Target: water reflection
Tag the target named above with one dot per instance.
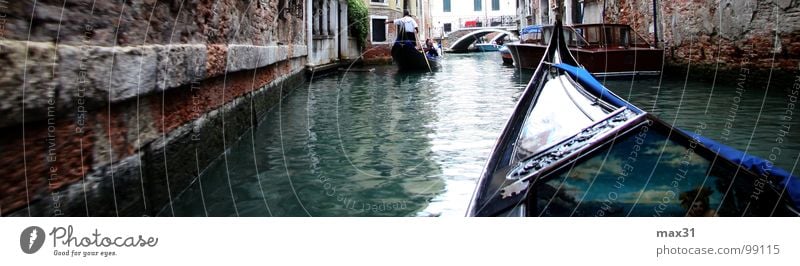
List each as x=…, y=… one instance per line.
x=748, y=119
x=376, y=143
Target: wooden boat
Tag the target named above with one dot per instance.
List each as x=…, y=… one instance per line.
x=487, y=47
x=505, y=54
x=574, y=148
x=408, y=58
x=603, y=49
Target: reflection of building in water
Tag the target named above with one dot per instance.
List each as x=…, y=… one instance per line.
x=386, y=146
x=294, y=164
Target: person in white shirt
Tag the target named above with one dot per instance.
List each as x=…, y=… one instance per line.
x=408, y=28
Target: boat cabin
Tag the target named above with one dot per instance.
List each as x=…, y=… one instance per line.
x=588, y=36
x=574, y=148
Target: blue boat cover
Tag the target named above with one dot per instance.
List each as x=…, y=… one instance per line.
x=530, y=29
x=755, y=164
x=592, y=85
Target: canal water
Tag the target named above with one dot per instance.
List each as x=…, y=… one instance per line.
x=383, y=143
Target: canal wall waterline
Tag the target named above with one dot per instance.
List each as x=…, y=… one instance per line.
x=111, y=108
x=140, y=152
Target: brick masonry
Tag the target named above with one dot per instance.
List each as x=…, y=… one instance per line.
x=721, y=36
x=381, y=53
x=114, y=115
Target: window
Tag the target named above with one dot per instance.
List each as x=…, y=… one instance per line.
x=478, y=4
x=379, y=2
x=544, y=7
x=378, y=29
x=623, y=37
x=495, y=5
x=592, y=35
x=446, y=5
x=448, y=27
x=609, y=36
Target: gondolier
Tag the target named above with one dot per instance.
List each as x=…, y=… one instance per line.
x=408, y=28
x=404, y=50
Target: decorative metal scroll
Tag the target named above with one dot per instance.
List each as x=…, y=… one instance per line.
x=527, y=169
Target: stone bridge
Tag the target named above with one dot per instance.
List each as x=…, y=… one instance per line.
x=461, y=39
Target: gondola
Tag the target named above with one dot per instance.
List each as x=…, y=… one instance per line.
x=573, y=148
x=408, y=58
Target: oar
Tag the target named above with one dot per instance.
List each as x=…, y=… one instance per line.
x=425, y=56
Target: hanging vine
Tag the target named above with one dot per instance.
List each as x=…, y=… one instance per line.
x=358, y=18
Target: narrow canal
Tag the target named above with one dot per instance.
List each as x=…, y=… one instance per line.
x=383, y=143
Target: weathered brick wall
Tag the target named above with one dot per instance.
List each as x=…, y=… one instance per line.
x=377, y=54
x=719, y=34
x=381, y=53
x=110, y=109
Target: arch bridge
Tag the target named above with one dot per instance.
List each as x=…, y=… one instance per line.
x=463, y=41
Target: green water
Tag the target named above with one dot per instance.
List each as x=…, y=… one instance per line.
x=384, y=143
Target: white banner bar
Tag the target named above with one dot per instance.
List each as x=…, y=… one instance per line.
x=398, y=241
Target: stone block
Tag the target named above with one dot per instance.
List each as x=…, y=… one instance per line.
x=179, y=65
x=243, y=57
x=299, y=50
x=123, y=72
x=77, y=91
x=27, y=83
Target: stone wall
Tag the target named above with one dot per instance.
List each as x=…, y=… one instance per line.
x=725, y=35
x=112, y=109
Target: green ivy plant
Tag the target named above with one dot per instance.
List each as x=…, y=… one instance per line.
x=358, y=18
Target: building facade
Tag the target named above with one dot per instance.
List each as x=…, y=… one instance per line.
x=329, y=41
x=718, y=38
x=541, y=12
x=525, y=13
x=450, y=15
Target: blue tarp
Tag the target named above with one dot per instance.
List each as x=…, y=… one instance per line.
x=592, y=85
x=755, y=164
x=530, y=29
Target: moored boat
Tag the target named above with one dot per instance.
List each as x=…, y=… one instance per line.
x=573, y=148
x=487, y=47
x=505, y=54
x=603, y=49
x=408, y=58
